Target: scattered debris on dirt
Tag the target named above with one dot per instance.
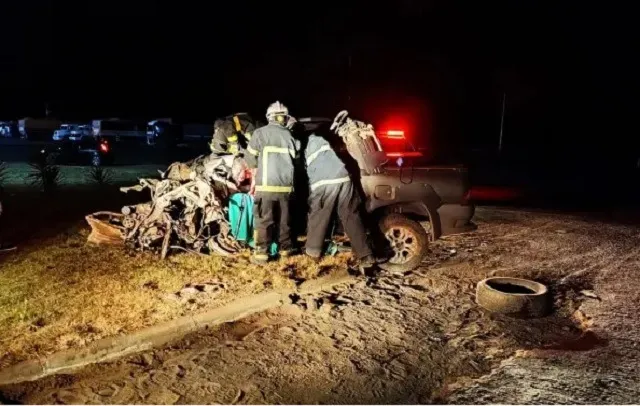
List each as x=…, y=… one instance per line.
x=186, y=211
x=413, y=338
x=192, y=292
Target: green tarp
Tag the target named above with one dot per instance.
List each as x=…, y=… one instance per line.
x=241, y=220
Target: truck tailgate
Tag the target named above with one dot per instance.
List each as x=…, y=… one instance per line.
x=451, y=183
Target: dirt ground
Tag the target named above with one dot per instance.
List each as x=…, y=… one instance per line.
x=414, y=338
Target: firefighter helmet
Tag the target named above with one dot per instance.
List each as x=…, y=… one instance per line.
x=277, y=109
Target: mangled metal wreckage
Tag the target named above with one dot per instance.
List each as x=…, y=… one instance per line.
x=186, y=210
x=188, y=203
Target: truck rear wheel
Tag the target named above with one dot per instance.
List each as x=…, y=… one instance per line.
x=408, y=241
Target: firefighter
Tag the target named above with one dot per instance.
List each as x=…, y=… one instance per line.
x=271, y=153
x=332, y=192
x=232, y=134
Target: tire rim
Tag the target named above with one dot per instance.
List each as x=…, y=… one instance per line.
x=404, y=244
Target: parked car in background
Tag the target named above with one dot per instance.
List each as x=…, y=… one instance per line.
x=72, y=132
x=9, y=129
x=80, y=131
x=62, y=133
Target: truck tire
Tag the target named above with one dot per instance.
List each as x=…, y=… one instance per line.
x=409, y=242
x=513, y=296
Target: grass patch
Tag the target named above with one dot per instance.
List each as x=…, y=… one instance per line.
x=65, y=293
x=44, y=176
x=99, y=176
x=3, y=174
x=57, y=291
x=16, y=175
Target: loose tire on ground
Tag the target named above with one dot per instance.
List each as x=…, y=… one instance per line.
x=408, y=239
x=513, y=297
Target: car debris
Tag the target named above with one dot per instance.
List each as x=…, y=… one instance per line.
x=186, y=212
x=361, y=142
x=590, y=294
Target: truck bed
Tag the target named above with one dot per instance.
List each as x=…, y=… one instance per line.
x=450, y=182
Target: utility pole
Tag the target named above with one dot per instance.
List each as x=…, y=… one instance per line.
x=349, y=79
x=504, y=100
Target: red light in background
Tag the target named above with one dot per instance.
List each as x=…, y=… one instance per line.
x=395, y=126
x=390, y=110
x=490, y=193
x=394, y=134
x=406, y=154
x=104, y=147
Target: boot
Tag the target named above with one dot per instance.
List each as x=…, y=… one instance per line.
x=286, y=253
x=368, y=261
x=259, y=258
x=367, y=265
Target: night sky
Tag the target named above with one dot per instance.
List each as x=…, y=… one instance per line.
x=569, y=69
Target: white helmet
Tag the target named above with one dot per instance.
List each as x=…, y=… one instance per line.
x=276, y=109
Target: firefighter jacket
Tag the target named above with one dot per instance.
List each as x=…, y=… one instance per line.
x=324, y=167
x=232, y=134
x=273, y=151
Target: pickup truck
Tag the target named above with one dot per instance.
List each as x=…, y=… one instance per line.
x=412, y=204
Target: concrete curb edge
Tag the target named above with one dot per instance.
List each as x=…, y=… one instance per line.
x=111, y=348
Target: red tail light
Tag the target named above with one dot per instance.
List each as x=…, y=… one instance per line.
x=406, y=154
x=104, y=147
x=394, y=134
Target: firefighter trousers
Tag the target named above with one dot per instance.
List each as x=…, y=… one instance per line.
x=324, y=203
x=272, y=222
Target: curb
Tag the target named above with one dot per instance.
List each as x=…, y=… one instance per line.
x=111, y=348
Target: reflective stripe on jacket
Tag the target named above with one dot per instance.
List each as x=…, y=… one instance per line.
x=234, y=136
x=324, y=167
x=272, y=150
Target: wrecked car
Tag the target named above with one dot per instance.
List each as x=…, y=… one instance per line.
x=186, y=210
